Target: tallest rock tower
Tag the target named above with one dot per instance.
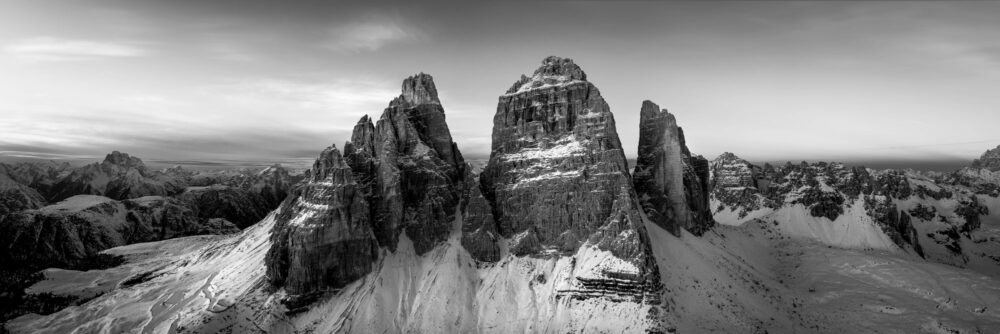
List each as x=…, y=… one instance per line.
x=557, y=166
x=558, y=184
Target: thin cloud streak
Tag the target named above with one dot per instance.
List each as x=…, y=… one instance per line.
x=370, y=34
x=47, y=48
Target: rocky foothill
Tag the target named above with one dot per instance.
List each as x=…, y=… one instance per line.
x=57, y=215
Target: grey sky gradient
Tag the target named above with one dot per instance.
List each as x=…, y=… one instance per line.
x=188, y=80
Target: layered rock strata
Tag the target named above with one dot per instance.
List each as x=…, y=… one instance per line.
x=558, y=183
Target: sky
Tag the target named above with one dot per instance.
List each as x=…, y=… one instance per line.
x=882, y=82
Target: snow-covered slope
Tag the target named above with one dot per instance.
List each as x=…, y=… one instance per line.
x=748, y=278
x=213, y=284
x=949, y=218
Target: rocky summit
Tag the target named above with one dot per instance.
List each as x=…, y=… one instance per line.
x=119, y=176
x=322, y=238
x=672, y=184
x=410, y=170
x=557, y=179
x=403, y=175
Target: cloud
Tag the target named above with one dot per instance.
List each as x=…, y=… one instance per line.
x=370, y=34
x=336, y=94
x=58, y=49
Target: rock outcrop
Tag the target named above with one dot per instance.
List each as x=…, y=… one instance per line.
x=734, y=183
x=119, y=176
x=67, y=232
x=322, y=238
x=409, y=168
x=558, y=183
x=672, y=185
x=989, y=160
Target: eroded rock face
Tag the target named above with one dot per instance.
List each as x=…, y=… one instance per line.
x=409, y=168
x=479, y=230
x=672, y=185
x=734, y=183
x=323, y=237
x=401, y=175
x=895, y=223
x=989, y=160
x=556, y=163
x=67, y=232
x=557, y=179
x=826, y=190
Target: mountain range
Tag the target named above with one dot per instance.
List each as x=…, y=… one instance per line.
x=395, y=232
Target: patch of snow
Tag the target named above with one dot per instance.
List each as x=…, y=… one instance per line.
x=77, y=203
x=546, y=176
x=565, y=148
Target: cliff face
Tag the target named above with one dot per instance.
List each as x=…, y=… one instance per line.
x=479, y=230
x=558, y=184
x=401, y=175
x=557, y=164
x=409, y=168
x=322, y=238
x=673, y=185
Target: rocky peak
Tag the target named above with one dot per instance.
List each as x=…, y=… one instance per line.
x=418, y=89
x=727, y=156
x=322, y=238
x=673, y=184
x=408, y=167
x=651, y=110
x=124, y=160
x=401, y=175
x=557, y=180
x=554, y=71
x=989, y=160
x=330, y=166
x=362, y=139
x=729, y=170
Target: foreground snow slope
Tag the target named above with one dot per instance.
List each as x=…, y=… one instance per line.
x=750, y=278
x=207, y=285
